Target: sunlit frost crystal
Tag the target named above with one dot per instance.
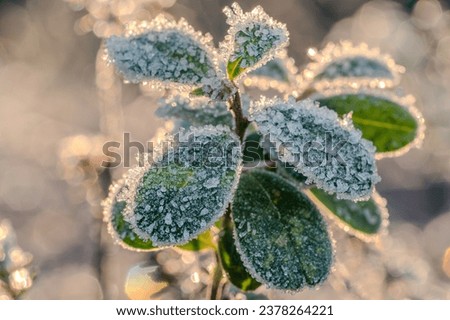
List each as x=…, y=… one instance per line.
x=328, y=151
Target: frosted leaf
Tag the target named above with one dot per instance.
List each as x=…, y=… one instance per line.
x=231, y=261
x=344, y=62
x=198, y=171
x=253, y=152
x=278, y=74
x=164, y=52
x=121, y=230
x=367, y=220
x=253, y=39
x=329, y=152
x=390, y=121
x=282, y=238
x=195, y=111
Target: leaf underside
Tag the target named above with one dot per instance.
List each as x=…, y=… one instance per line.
x=388, y=125
x=282, y=238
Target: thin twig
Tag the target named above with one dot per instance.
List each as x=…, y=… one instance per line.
x=240, y=120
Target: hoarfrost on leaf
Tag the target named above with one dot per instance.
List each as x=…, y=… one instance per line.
x=195, y=111
x=344, y=62
x=189, y=185
x=164, y=52
x=328, y=151
x=281, y=237
x=253, y=39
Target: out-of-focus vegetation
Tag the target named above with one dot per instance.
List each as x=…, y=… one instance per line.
x=49, y=91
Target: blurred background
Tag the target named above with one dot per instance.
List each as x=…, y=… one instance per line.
x=58, y=103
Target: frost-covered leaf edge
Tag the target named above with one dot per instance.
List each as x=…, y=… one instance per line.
x=108, y=205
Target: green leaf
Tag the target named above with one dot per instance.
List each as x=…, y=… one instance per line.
x=281, y=236
x=364, y=217
x=196, y=111
x=234, y=69
x=253, y=39
x=388, y=125
x=232, y=263
x=253, y=152
x=188, y=187
x=203, y=241
x=164, y=52
x=328, y=151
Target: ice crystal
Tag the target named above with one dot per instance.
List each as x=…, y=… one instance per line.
x=282, y=238
x=344, y=62
x=195, y=111
x=279, y=74
x=253, y=39
x=165, y=52
x=188, y=186
x=326, y=150
x=391, y=121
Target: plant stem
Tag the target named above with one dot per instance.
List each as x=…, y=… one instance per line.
x=241, y=121
x=241, y=124
x=215, y=293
